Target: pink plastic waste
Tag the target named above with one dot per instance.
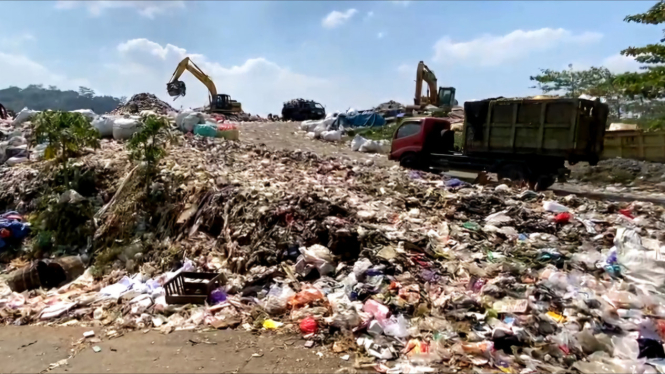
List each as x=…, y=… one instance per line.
x=377, y=310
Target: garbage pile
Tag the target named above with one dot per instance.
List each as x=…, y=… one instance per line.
x=141, y=102
x=619, y=170
x=410, y=272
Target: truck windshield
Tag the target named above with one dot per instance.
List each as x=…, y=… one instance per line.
x=408, y=129
x=318, y=106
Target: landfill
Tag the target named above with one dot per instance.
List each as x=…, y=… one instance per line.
x=405, y=270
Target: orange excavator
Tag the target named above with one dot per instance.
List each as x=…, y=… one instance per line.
x=443, y=97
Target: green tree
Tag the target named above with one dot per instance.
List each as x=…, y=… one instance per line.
x=86, y=92
x=569, y=82
x=148, y=144
x=66, y=134
x=650, y=83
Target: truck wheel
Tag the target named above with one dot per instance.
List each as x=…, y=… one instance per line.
x=544, y=182
x=410, y=161
x=514, y=172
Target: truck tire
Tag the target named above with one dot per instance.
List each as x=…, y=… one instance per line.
x=410, y=161
x=514, y=172
x=544, y=182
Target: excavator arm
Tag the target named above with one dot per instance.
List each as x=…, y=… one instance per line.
x=177, y=88
x=423, y=73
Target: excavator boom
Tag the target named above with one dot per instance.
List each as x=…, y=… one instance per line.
x=423, y=73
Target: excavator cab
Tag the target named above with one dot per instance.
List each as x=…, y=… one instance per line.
x=221, y=102
x=447, y=97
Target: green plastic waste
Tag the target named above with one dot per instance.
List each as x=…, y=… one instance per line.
x=207, y=130
x=471, y=226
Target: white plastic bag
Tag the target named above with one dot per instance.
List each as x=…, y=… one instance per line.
x=23, y=116
x=639, y=265
x=332, y=136
x=277, y=300
x=357, y=142
x=397, y=327
x=553, y=206
x=87, y=113
x=351, y=112
x=124, y=128
x=180, y=116
x=308, y=125
x=319, y=129
x=191, y=120
x=104, y=124
x=16, y=160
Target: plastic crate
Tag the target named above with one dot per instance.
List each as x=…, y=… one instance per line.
x=184, y=289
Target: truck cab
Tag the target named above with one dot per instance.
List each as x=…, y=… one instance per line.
x=417, y=138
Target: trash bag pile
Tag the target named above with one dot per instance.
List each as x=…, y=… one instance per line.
x=406, y=270
x=141, y=102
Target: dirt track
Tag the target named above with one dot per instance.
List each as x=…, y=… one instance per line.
x=31, y=349
x=281, y=135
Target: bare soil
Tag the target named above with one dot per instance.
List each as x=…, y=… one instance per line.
x=282, y=135
x=31, y=349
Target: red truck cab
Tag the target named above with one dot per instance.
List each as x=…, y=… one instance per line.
x=417, y=138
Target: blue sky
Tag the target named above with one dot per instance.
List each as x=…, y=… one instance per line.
x=342, y=54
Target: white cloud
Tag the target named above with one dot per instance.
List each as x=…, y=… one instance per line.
x=489, y=50
x=401, y=2
x=621, y=64
x=369, y=15
x=21, y=71
x=380, y=35
x=259, y=84
x=337, y=18
x=15, y=41
x=406, y=68
x=148, y=9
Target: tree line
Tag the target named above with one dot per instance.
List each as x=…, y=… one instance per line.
x=38, y=97
x=633, y=97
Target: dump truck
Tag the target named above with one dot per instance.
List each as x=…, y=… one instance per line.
x=526, y=140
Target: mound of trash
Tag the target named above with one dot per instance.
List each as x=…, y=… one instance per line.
x=141, y=102
x=619, y=170
x=409, y=271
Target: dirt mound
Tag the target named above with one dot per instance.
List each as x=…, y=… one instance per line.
x=143, y=101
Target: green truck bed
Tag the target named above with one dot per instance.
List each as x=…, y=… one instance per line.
x=563, y=128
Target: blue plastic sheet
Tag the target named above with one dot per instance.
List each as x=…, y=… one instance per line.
x=367, y=119
x=13, y=222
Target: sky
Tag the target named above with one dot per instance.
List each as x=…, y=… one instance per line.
x=341, y=54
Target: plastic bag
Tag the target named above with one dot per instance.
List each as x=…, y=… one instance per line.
x=307, y=295
x=397, y=327
x=562, y=218
x=308, y=125
x=553, y=206
x=87, y=113
x=125, y=128
x=104, y=124
x=308, y=326
x=638, y=264
x=207, y=130
x=377, y=310
x=332, y=136
x=625, y=347
x=23, y=116
x=319, y=129
x=277, y=300
x=319, y=256
x=498, y=218
x=357, y=142
x=190, y=121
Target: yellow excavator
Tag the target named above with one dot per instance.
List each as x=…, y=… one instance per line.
x=219, y=103
x=444, y=97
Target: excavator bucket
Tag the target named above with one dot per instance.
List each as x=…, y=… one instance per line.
x=176, y=88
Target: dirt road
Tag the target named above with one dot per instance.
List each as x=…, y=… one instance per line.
x=31, y=349
x=282, y=135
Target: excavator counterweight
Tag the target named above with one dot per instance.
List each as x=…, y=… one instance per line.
x=219, y=103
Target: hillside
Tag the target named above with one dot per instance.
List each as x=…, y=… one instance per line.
x=39, y=98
